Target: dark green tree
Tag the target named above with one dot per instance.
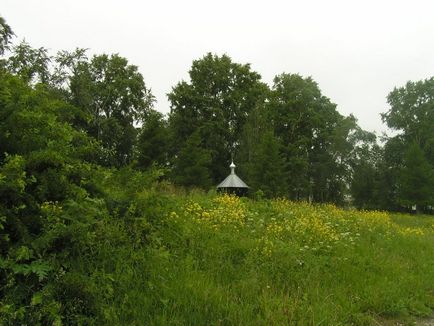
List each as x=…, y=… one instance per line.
x=389, y=168
x=152, y=142
x=315, y=139
x=260, y=158
x=53, y=209
x=416, y=179
x=268, y=169
x=216, y=103
x=411, y=114
x=192, y=165
x=365, y=165
x=114, y=96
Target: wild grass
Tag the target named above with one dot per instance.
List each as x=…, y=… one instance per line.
x=221, y=260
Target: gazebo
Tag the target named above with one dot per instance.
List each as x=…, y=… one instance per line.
x=233, y=184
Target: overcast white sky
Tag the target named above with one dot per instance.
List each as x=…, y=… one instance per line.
x=356, y=51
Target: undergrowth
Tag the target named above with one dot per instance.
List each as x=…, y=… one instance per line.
x=131, y=251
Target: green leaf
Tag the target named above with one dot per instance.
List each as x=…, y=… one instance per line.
x=41, y=269
x=2, y=221
x=36, y=299
x=23, y=253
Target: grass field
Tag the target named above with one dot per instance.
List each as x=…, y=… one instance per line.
x=221, y=260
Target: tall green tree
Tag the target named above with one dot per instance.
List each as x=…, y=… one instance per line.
x=365, y=181
x=411, y=114
x=40, y=151
x=215, y=102
x=315, y=139
x=108, y=96
x=268, y=169
x=416, y=179
x=114, y=95
x=261, y=163
x=152, y=142
x=192, y=165
x=389, y=169
x=47, y=213
x=31, y=64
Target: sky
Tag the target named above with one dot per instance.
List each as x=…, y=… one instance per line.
x=357, y=51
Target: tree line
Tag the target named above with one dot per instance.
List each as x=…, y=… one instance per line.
x=288, y=139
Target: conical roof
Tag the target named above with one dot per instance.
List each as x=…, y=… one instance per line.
x=232, y=180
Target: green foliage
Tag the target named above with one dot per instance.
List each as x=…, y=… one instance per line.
x=260, y=155
x=411, y=110
x=114, y=96
x=315, y=138
x=192, y=166
x=389, y=170
x=215, y=103
x=214, y=259
x=416, y=178
x=152, y=142
x=412, y=114
x=49, y=213
x=265, y=166
x=13, y=176
x=32, y=65
x=366, y=162
x=6, y=34
x=363, y=186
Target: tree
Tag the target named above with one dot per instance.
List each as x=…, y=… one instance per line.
x=152, y=141
x=411, y=113
x=389, y=168
x=43, y=154
x=47, y=216
x=215, y=103
x=416, y=179
x=114, y=95
x=260, y=158
x=268, y=169
x=315, y=138
x=192, y=165
x=108, y=96
x=365, y=180
x=32, y=65
x=6, y=34
x=411, y=107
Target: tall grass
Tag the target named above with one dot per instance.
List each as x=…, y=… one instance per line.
x=213, y=260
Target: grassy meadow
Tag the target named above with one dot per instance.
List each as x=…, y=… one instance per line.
x=220, y=260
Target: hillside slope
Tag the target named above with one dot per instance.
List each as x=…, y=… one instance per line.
x=231, y=261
